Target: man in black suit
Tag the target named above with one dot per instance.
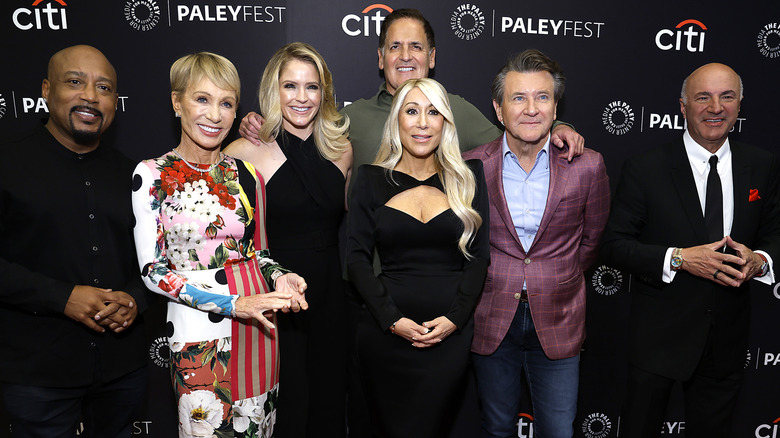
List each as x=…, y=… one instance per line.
x=70, y=291
x=690, y=306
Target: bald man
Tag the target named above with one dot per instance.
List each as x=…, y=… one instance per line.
x=70, y=292
x=694, y=221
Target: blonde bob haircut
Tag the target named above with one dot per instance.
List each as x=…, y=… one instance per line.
x=330, y=127
x=456, y=177
x=190, y=69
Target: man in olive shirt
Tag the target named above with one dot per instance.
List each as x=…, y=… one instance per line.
x=407, y=50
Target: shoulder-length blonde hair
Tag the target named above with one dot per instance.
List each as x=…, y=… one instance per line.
x=456, y=177
x=330, y=127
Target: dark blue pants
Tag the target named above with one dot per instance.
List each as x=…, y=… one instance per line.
x=106, y=408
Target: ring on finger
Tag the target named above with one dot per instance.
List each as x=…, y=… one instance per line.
x=715, y=275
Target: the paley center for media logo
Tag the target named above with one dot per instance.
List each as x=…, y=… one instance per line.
x=467, y=21
x=142, y=15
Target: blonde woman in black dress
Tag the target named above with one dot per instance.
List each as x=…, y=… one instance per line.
x=425, y=211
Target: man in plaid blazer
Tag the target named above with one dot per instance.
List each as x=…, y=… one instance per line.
x=547, y=217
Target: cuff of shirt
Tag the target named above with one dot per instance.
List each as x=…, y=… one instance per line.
x=769, y=278
x=668, y=275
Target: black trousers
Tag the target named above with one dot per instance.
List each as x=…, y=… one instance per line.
x=107, y=409
x=709, y=400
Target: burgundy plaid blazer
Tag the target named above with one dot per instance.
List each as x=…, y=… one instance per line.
x=566, y=244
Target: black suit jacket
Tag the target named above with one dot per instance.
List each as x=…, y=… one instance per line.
x=656, y=206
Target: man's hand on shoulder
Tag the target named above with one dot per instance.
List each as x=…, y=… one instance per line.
x=250, y=127
x=96, y=308
x=565, y=135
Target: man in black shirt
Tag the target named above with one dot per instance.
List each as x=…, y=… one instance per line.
x=70, y=290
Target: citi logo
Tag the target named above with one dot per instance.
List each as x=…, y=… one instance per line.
x=687, y=35
x=525, y=426
x=768, y=430
x=370, y=23
x=48, y=17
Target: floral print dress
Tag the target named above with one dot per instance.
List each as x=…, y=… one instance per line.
x=189, y=224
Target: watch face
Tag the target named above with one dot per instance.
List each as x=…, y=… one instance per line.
x=676, y=262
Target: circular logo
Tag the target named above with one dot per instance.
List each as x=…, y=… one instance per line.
x=606, y=280
x=596, y=425
x=618, y=117
x=768, y=40
x=2, y=106
x=467, y=22
x=160, y=352
x=776, y=291
x=142, y=15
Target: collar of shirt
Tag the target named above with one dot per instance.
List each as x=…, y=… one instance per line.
x=542, y=157
x=700, y=157
x=383, y=97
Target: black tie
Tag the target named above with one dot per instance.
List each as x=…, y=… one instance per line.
x=713, y=207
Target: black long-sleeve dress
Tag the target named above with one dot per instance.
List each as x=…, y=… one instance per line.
x=413, y=392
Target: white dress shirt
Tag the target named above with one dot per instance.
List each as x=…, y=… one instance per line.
x=699, y=160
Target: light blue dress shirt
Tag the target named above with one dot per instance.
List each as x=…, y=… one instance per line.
x=526, y=192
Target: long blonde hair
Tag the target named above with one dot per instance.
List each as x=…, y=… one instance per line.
x=456, y=177
x=330, y=127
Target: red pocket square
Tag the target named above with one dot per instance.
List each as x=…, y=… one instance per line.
x=753, y=195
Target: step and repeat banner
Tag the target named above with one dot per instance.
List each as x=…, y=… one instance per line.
x=624, y=62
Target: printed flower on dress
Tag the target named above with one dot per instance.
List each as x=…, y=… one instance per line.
x=183, y=242
x=171, y=283
x=199, y=414
x=201, y=196
x=255, y=417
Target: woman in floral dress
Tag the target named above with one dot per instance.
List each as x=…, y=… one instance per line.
x=201, y=241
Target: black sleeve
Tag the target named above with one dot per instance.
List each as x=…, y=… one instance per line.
x=360, y=248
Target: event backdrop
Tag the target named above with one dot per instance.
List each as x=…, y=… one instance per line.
x=624, y=62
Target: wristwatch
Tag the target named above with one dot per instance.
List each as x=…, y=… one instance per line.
x=764, y=266
x=677, y=259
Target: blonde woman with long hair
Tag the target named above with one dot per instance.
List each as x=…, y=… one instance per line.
x=425, y=211
x=306, y=160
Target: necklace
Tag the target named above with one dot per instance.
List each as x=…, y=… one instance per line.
x=201, y=170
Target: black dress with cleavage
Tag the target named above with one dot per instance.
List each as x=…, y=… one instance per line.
x=304, y=208
x=413, y=392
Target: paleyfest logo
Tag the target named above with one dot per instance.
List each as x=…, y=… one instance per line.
x=189, y=12
x=618, y=117
x=369, y=23
x=467, y=22
x=142, y=15
x=768, y=40
x=2, y=106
